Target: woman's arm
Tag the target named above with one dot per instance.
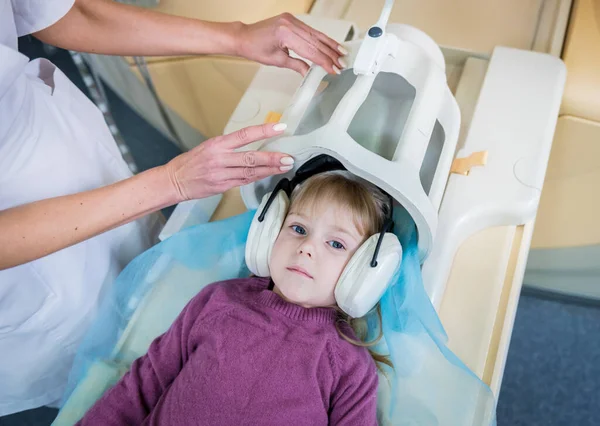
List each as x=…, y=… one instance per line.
x=33, y=230
x=112, y=28
x=108, y=27
x=37, y=229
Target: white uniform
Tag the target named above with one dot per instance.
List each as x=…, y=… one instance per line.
x=53, y=141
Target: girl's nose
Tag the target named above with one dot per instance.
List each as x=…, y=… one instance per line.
x=306, y=249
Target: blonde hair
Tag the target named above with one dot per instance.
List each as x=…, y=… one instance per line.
x=368, y=205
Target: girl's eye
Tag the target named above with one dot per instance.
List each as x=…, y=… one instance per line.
x=336, y=245
x=298, y=229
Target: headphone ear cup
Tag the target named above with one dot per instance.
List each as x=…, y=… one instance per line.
x=262, y=235
x=361, y=285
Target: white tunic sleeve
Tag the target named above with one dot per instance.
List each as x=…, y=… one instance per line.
x=35, y=15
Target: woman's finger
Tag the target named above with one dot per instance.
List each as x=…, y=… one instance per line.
x=239, y=176
x=331, y=43
x=254, y=159
x=294, y=64
x=250, y=134
x=319, y=41
x=260, y=173
x=305, y=49
x=323, y=48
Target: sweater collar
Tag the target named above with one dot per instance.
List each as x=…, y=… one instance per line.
x=291, y=310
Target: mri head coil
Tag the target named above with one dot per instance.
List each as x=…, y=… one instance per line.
x=395, y=126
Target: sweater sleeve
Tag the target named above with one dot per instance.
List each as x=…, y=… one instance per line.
x=132, y=399
x=354, y=399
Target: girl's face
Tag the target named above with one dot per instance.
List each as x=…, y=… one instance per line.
x=310, y=253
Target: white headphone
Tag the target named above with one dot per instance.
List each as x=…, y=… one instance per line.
x=368, y=273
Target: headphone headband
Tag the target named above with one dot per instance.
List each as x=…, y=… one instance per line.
x=388, y=225
x=320, y=164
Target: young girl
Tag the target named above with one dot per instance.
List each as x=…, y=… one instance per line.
x=262, y=351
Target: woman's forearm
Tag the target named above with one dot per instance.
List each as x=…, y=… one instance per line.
x=34, y=230
x=108, y=27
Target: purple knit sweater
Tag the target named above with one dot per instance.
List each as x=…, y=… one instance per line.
x=239, y=354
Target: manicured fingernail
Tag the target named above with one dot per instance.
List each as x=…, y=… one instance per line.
x=342, y=50
x=280, y=127
x=286, y=168
x=342, y=63
x=287, y=161
x=336, y=70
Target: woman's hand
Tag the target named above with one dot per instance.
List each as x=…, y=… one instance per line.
x=270, y=41
x=213, y=167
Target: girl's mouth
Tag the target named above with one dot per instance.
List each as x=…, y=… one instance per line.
x=300, y=271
